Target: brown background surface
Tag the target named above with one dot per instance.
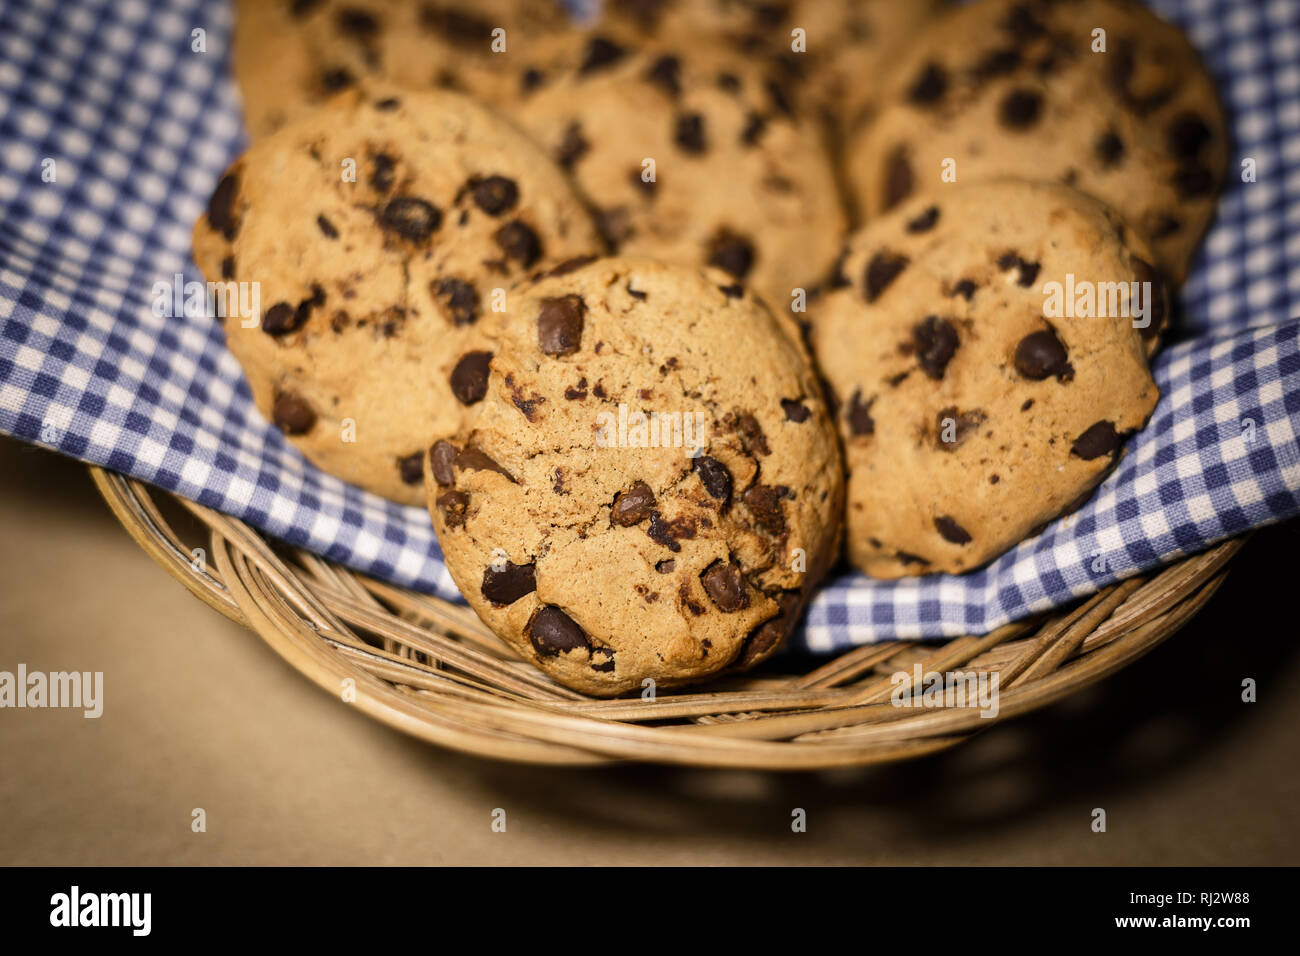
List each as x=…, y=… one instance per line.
x=200, y=713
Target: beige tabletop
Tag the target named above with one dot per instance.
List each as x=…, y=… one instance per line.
x=199, y=713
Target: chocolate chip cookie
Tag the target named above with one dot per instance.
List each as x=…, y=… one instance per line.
x=651, y=483
x=691, y=154
x=292, y=55
x=1024, y=89
x=378, y=231
x=986, y=348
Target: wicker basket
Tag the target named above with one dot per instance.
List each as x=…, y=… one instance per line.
x=430, y=668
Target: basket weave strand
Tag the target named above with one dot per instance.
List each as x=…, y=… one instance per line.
x=431, y=669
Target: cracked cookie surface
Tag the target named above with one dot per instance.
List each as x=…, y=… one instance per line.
x=571, y=510
x=380, y=230
x=973, y=408
x=693, y=154
x=1022, y=89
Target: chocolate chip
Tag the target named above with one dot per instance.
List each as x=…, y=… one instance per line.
x=411, y=468
x=899, y=179
x=221, y=207
x=388, y=104
x=688, y=133
x=443, y=456
x=281, y=319
x=883, y=269
x=1120, y=66
x=495, y=195
x=936, y=341
x=459, y=298
x=632, y=506
x=519, y=242
x=715, y=477
x=614, y=226
x=666, y=532
x=636, y=293
x=666, y=566
x=732, y=291
x=733, y=254
x=795, y=410
x=729, y=82
x=1028, y=271
x=359, y=23
x=469, y=379
x=455, y=24
x=327, y=228
x=765, y=638
x=410, y=218
x=951, y=530
x=1145, y=272
x=1020, y=109
x=605, y=666
x=1193, y=181
x=996, y=63
x=506, y=585
x=1188, y=133
x=292, y=414
x=924, y=222
x=960, y=425
x=553, y=632
x=780, y=98
x=474, y=459
x=1109, y=148
x=453, y=505
x=228, y=267
x=1100, y=439
x=559, y=325
x=764, y=502
x=666, y=72
x=754, y=127
x=859, y=415
x=1021, y=23
x=965, y=288
x=1041, y=354
x=929, y=86
x=336, y=78
x=750, y=431
x=531, y=79
x=573, y=147
x=384, y=173
x=724, y=586
x=601, y=52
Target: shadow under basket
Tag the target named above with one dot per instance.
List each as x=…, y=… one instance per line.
x=430, y=668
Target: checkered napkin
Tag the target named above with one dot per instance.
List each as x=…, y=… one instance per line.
x=114, y=128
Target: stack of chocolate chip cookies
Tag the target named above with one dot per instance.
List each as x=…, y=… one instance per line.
x=589, y=291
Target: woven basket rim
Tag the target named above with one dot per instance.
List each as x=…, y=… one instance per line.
x=429, y=668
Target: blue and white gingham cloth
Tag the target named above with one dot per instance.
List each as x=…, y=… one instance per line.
x=136, y=127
